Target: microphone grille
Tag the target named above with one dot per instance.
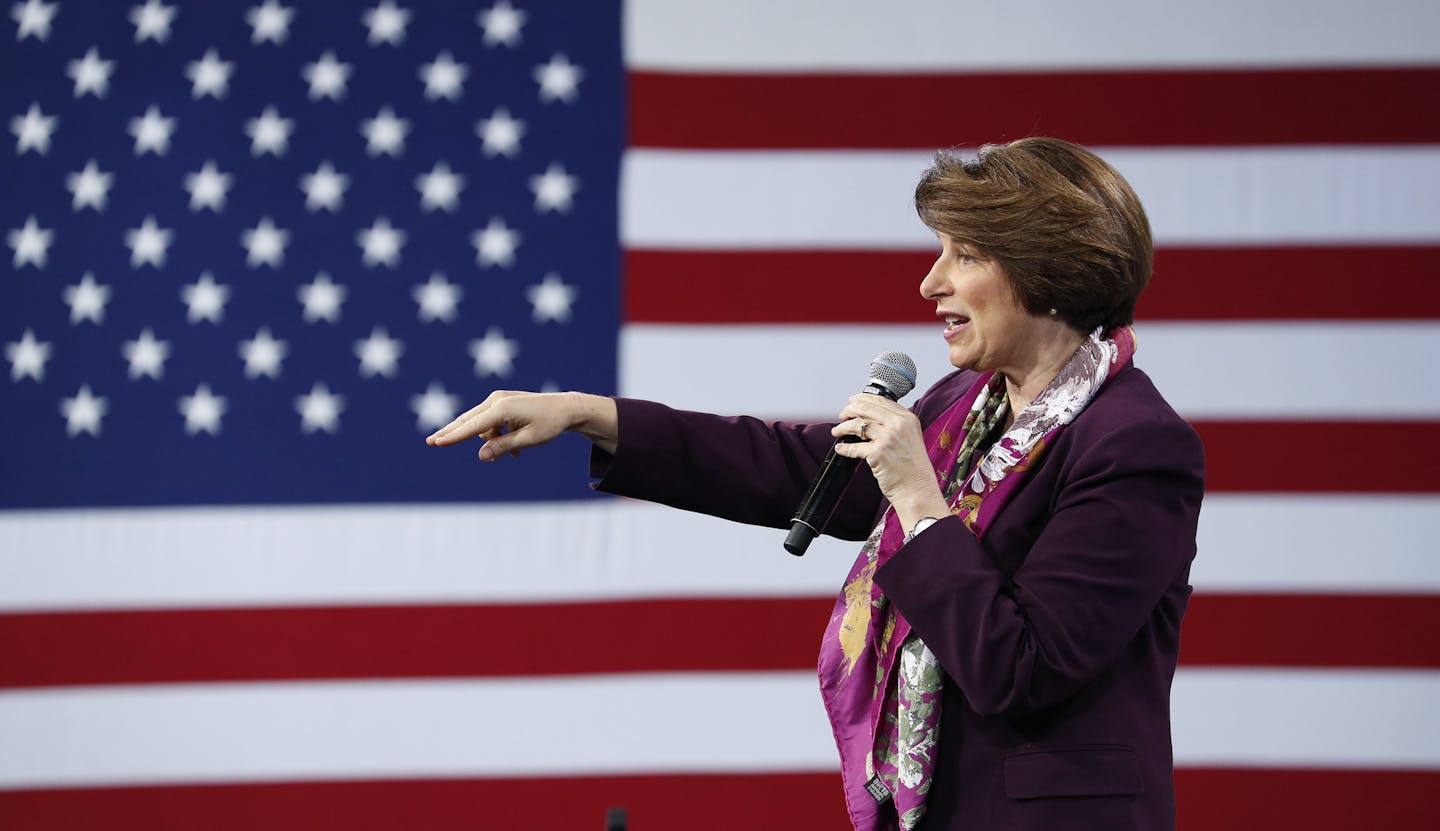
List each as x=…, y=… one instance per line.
x=894, y=371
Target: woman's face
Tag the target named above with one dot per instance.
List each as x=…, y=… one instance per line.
x=985, y=325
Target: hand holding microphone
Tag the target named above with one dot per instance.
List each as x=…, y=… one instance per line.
x=892, y=375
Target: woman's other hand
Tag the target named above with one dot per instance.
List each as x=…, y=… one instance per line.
x=892, y=443
x=511, y=421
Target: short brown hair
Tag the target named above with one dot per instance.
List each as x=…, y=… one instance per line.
x=1067, y=229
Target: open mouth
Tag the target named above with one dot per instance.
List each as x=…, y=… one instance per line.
x=953, y=324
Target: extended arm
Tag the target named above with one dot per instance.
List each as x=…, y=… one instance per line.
x=739, y=468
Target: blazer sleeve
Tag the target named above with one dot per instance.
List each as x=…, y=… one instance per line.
x=738, y=468
x=1122, y=528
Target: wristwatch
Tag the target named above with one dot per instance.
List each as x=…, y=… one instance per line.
x=920, y=525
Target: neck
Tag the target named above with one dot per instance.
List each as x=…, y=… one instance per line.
x=1048, y=357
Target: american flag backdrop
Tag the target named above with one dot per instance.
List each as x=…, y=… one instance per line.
x=254, y=251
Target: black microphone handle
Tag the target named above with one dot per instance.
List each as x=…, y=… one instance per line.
x=819, y=504
x=830, y=483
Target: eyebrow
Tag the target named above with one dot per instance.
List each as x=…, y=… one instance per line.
x=968, y=248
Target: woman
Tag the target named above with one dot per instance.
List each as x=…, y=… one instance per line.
x=1001, y=653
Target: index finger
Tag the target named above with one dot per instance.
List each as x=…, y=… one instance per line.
x=479, y=420
x=865, y=404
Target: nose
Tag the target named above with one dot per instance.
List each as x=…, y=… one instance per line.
x=933, y=286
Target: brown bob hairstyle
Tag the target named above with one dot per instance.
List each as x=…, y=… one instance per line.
x=1068, y=230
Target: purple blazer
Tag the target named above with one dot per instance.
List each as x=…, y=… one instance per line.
x=1058, y=632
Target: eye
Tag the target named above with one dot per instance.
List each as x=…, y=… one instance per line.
x=961, y=253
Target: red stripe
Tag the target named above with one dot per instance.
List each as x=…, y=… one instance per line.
x=1294, y=284
x=714, y=802
x=1326, y=106
x=1298, y=630
x=61, y=649
x=1208, y=798
x=408, y=641
x=1315, y=800
x=1189, y=284
x=1301, y=456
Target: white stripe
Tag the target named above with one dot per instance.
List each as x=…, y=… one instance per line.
x=1306, y=718
x=1309, y=543
x=848, y=200
x=1213, y=370
x=778, y=35
x=226, y=557
x=495, y=727
x=235, y=557
x=626, y=724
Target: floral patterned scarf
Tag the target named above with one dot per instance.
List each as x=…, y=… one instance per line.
x=886, y=723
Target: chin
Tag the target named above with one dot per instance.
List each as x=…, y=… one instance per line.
x=963, y=360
